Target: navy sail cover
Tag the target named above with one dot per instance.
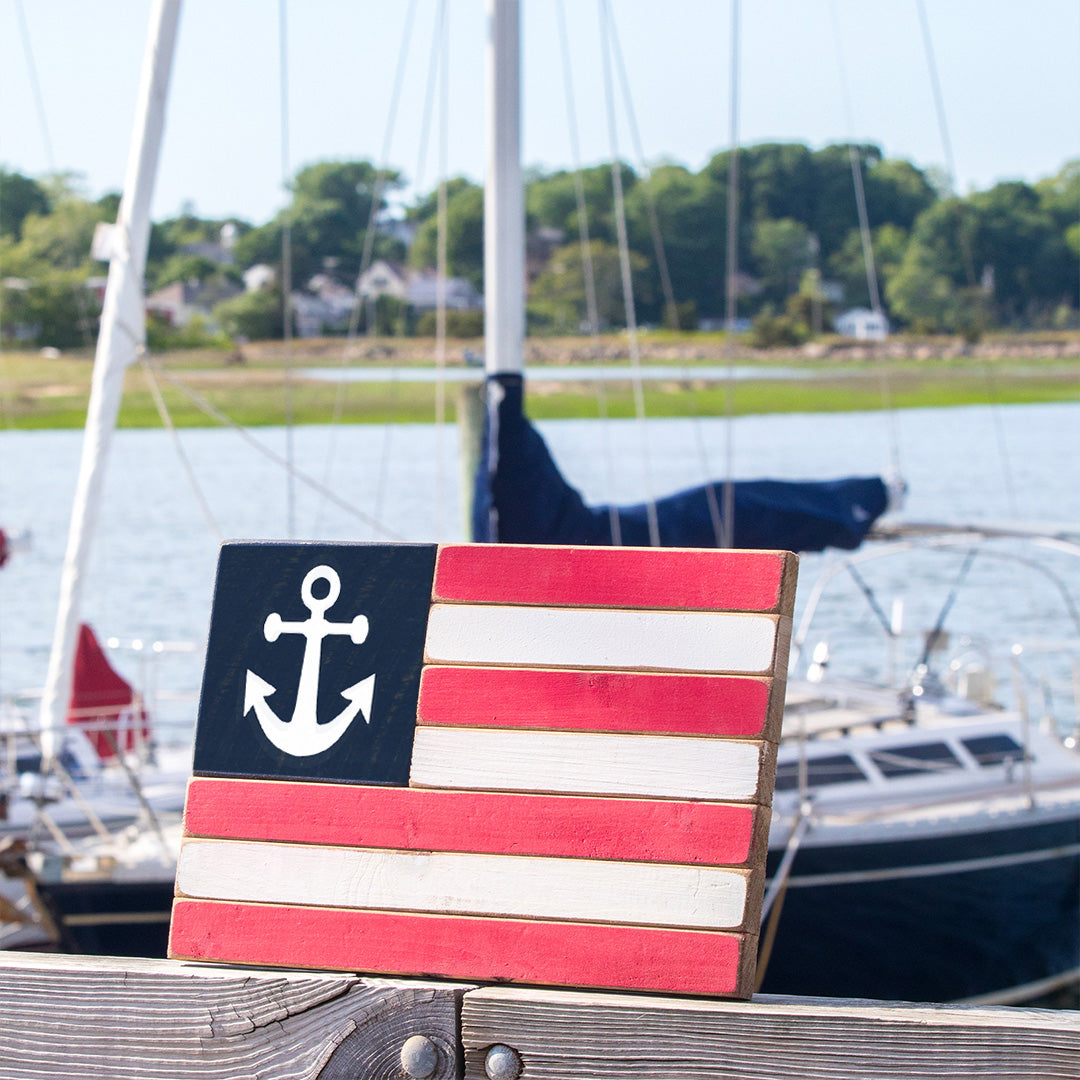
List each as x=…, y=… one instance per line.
x=521, y=498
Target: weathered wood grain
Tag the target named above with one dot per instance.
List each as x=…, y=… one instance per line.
x=740, y=707
x=112, y=1019
x=98, y=1018
x=603, y=577
x=599, y=956
x=414, y=819
x=527, y=887
x=601, y=638
x=563, y=1035
x=653, y=766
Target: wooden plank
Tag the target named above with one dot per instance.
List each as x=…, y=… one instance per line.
x=124, y=1019
x=653, y=766
x=100, y=1018
x=616, y=577
x=561, y=1035
x=493, y=950
x=559, y=700
x=643, y=830
x=515, y=886
x=596, y=638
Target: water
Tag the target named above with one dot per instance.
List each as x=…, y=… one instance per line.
x=152, y=571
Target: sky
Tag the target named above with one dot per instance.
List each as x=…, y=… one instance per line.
x=812, y=71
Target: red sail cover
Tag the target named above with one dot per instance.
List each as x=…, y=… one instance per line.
x=103, y=702
x=559, y=773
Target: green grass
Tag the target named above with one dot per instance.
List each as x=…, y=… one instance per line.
x=37, y=393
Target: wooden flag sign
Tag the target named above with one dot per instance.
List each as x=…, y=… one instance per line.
x=541, y=765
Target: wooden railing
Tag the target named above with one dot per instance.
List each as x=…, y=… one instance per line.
x=96, y=1018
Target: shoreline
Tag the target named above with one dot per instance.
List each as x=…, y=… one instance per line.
x=261, y=383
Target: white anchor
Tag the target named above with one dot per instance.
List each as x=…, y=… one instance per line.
x=303, y=735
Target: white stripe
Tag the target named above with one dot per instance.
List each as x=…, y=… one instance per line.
x=662, y=766
x=588, y=638
x=499, y=885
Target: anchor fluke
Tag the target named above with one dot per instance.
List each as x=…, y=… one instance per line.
x=256, y=690
x=304, y=736
x=359, y=696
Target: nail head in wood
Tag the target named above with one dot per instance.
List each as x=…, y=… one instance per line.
x=502, y=1063
x=419, y=1057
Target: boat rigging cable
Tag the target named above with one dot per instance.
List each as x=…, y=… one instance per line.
x=185, y=462
x=35, y=86
x=965, y=246
x=646, y=177
x=866, y=239
x=441, y=274
x=588, y=270
x=668, y=291
x=624, y=266
x=591, y=311
x=79, y=293
x=349, y=352
x=272, y=455
x=731, y=299
x=939, y=625
x=286, y=265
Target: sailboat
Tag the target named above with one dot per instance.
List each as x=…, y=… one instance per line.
x=97, y=852
x=925, y=841
x=889, y=801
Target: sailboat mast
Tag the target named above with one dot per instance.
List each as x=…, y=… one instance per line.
x=504, y=200
x=121, y=336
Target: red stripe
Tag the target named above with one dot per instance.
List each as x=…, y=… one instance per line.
x=595, y=701
x=488, y=823
x=455, y=947
x=611, y=577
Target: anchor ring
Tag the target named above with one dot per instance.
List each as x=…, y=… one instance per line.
x=311, y=601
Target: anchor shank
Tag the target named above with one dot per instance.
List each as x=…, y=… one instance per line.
x=307, y=691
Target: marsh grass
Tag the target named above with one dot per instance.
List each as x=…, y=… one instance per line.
x=39, y=393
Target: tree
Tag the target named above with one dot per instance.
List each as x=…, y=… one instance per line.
x=551, y=201
x=557, y=296
x=691, y=213
x=256, y=316
x=920, y=294
x=1019, y=253
x=19, y=198
x=782, y=252
x=327, y=219
x=464, y=236
x=848, y=265
x=51, y=262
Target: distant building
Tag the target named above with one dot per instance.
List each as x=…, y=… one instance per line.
x=862, y=324
x=325, y=307
x=383, y=278
x=178, y=303
x=257, y=277
x=417, y=288
x=422, y=292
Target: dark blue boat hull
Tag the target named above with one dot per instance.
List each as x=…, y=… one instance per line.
x=935, y=936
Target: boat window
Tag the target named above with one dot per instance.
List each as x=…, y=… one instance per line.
x=30, y=762
x=834, y=769
x=917, y=758
x=994, y=749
